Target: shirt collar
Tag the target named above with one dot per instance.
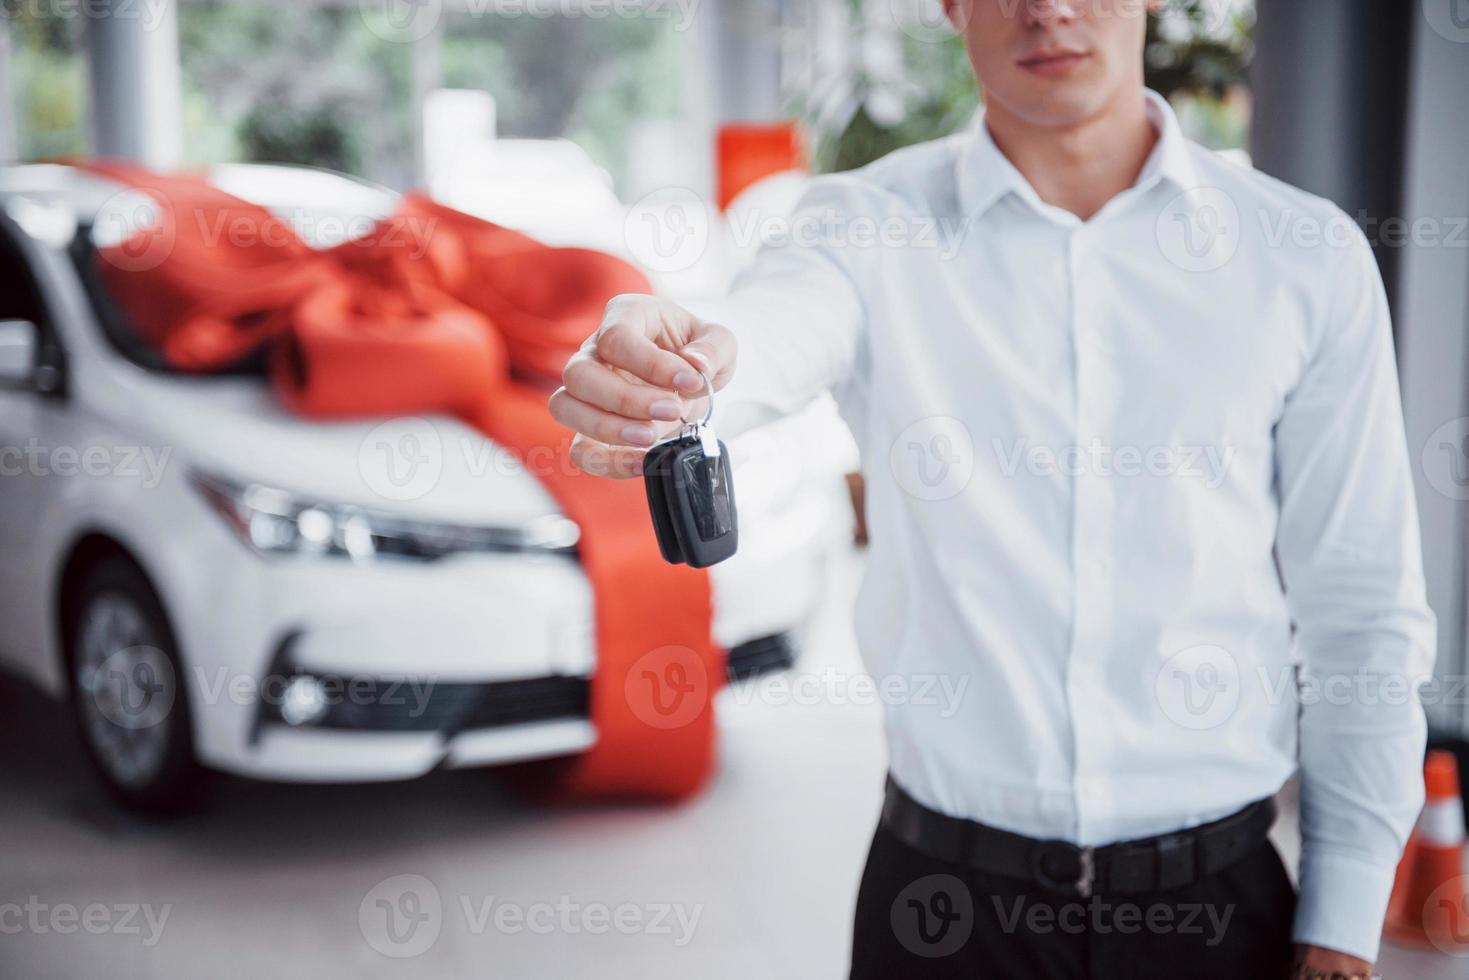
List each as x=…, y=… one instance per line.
x=985, y=175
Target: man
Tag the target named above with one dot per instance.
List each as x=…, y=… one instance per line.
x=1136, y=468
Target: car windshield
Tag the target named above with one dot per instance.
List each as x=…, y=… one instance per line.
x=78, y=213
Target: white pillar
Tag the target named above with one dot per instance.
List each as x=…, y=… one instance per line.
x=732, y=64
x=426, y=75
x=8, y=146
x=133, y=70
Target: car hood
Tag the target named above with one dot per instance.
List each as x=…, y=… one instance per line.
x=431, y=467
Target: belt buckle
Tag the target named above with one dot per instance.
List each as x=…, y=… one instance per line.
x=1061, y=879
x=1088, y=879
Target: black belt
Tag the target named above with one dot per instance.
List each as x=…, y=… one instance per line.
x=1151, y=864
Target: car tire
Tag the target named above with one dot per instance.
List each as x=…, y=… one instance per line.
x=128, y=695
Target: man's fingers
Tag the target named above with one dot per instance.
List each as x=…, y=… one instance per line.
x=589, y=380
x=626, y=346
x=714, y=351
x=603, y=426
x=600, y=459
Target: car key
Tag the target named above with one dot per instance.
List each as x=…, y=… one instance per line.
x=691, y=494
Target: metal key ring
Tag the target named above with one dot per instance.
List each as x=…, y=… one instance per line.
x=709, y=392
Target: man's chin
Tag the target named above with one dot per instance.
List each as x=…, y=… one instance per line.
x=1057, y=105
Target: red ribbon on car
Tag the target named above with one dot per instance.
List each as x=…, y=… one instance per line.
x=434, y=311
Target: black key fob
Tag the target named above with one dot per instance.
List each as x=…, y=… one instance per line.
x=690, y=488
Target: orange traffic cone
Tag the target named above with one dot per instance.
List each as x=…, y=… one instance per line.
x=1429, y=905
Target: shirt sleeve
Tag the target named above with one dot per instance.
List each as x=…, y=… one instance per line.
x=1349, y=553
x=796, y=312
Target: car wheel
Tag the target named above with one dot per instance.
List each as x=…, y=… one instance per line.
x=128, y=696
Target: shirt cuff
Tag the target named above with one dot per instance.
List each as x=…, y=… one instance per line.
x=1343, y=903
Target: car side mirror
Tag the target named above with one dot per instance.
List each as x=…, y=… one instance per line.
x=27, y=362
x=20, y=343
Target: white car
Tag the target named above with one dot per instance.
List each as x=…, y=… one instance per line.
x=217, y=584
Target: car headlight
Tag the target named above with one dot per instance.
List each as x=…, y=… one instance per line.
x=275, y=522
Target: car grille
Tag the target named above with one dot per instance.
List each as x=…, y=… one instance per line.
x=393, y=706
x=383, y=705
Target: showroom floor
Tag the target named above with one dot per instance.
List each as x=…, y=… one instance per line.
x=753, y=880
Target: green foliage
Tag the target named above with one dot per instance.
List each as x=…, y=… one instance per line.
x=313, y=137
x=50, y=83
x=590, y=80
x=1190, y=58
x=294, y=84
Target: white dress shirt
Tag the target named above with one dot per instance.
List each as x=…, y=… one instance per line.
x=1138, y=484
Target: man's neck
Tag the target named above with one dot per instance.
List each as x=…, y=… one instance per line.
x=1079, y=168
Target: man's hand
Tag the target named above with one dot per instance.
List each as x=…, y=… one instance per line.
x=1329, y=963
x=634, y=380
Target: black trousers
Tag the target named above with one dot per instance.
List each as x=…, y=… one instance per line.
x=919, y=917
